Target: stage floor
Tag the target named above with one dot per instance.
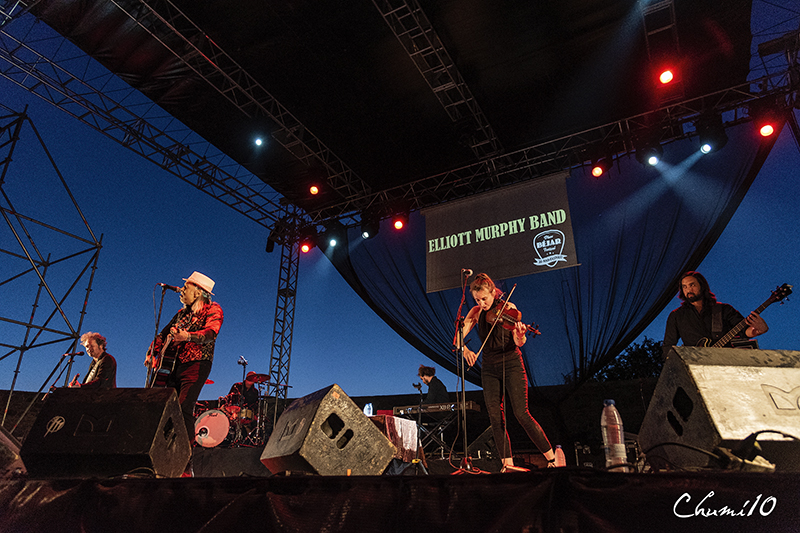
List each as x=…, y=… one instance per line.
x=558, y=500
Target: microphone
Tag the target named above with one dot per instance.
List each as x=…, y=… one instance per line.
x=170, y=287
x=467, y=271
x=71, y=354
x=417, y=386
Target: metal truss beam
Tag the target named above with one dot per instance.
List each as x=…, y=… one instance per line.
x=281, y=351
x=415, y=32
x=73, y=82
x=670, y=123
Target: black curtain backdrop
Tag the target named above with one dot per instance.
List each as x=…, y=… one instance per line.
x=636, y=230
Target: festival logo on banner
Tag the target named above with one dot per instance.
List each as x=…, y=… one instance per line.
x=549, y=246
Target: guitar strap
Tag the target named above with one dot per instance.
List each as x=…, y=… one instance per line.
x=716, y=322
x=92, y=371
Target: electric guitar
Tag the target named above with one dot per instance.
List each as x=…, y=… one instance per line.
x=777, y=295
x=161, y=368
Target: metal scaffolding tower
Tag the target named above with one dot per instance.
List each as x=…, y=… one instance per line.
x=49, y=279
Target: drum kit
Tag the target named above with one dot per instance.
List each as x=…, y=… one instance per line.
x=231, y=423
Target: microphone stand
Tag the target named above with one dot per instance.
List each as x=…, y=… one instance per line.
x=238, y=436
x=418, y=459
x=466, y=461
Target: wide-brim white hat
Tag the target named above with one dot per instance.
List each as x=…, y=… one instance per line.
x=202, y=281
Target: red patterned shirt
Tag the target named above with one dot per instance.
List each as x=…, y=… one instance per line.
x=203, y=328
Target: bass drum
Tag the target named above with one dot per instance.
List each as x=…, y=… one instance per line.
x=211, y=428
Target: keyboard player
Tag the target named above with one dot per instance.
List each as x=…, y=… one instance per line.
x=437, y=392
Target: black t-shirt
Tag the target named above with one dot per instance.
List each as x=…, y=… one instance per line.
x=690, y=326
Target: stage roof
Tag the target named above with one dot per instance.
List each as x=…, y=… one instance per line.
x=338, y=71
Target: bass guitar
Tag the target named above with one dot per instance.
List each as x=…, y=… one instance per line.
x=160, y=368
x=777, y=295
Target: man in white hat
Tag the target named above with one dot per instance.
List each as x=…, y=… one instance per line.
x=190, y=337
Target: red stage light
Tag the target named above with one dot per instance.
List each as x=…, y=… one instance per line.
x=399, y=221
x=766, y=130
x=666, y=76
x=305, y=247
x=313, y=189
x=601, y=166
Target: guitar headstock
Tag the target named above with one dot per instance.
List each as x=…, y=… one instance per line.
x=781, y=292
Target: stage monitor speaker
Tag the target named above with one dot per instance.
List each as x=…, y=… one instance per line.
x=82, y=433
x=717, y=397
x=326, y=433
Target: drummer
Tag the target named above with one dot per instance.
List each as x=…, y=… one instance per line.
x=242, y=400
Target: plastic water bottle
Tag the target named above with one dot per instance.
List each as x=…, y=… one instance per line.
x=560, y=459
x=613, y=437
x=368, y=409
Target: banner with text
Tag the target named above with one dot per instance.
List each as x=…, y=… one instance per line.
x=514, y=231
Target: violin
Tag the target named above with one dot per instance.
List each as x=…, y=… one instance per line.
x=509, y=318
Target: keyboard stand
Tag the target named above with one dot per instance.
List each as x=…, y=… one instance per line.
x=435, y=434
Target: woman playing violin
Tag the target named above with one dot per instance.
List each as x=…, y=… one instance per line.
x=502, y=367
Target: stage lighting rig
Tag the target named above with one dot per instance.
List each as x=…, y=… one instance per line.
x=308, y=239
x=766, y=115
x=370, y=226
x=400, y=220
x=335, y=234
x=649, y=152
x=711, y=133
x=601, y=166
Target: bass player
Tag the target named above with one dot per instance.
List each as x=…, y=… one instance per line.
x=702, y=318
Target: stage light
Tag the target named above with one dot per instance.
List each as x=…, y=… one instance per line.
x=649, y=153
x=369, y=228
x=314, y=190
x=306, y=245
x=766, y=115
x=259, y=142
x=601, y=166
x=711, y=133
x=308, y=239
x=335, y=234
x=399, y=221
x=766, y=130
x=666, y=76
x=766, y=122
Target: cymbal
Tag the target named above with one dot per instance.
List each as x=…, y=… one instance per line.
x=259, y=378
x=209, y=382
